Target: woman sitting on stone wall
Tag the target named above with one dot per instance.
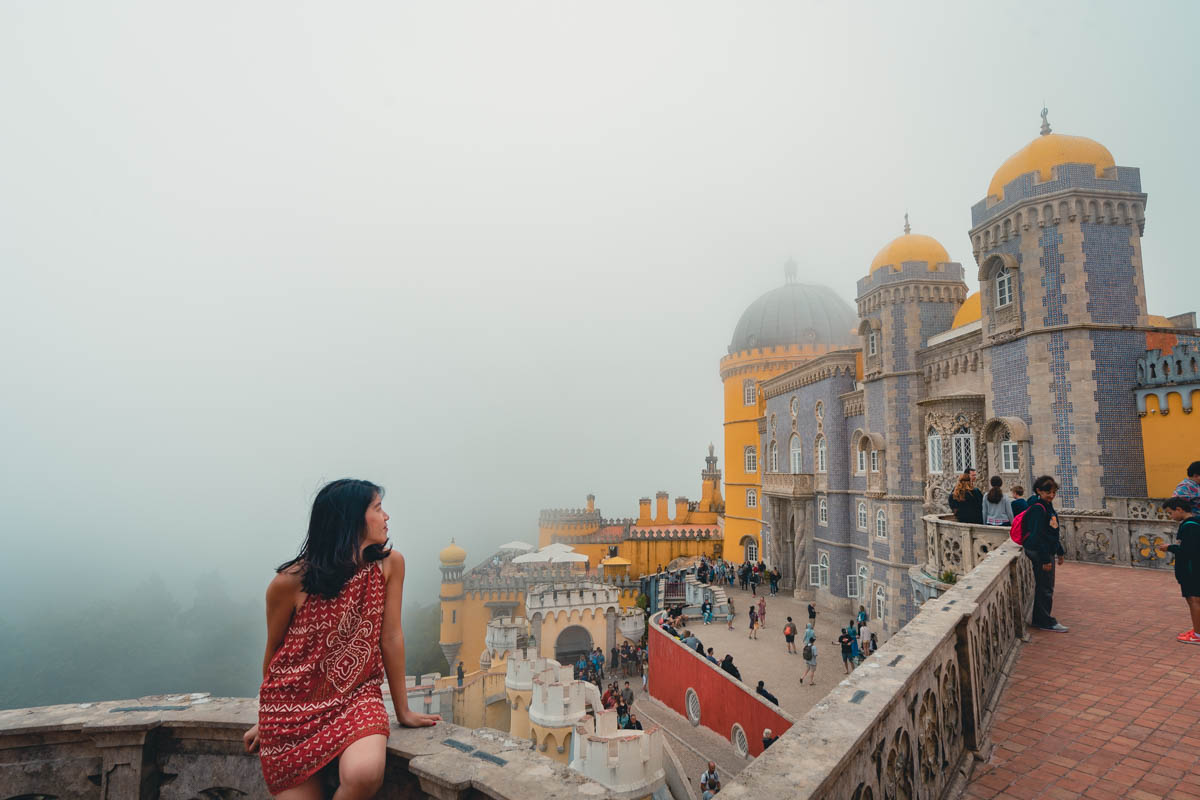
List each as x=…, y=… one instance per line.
x=333, y=631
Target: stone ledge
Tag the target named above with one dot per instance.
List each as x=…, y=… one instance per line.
x=199, y=737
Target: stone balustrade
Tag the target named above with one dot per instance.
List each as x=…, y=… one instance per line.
x=1125, y=533
x=546, y=597
x=190, y=746
x=786, y=484
x=912, y=718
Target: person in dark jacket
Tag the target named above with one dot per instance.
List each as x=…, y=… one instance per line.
x=762, y=692
x=1019, y=503
x=966, y=501
x=1044, y=549
x=728, y=666
x=768, y=738
x=1187, y=560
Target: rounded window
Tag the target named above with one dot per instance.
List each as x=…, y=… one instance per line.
x=738, y=738
x=693, y=706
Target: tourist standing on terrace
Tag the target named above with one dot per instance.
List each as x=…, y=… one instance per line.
x=789, y=635
x=762, y=611
x=847, y=644
x=1187, y=560
x=1189, y=487
x=1019, y=503
x=753, y=624
x=997, y=509
x=966, y=501
x=1042, y=545
x=810, y=660
x=333, y=632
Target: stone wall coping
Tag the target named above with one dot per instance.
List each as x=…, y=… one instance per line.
x=449, y=760
x=808, y=758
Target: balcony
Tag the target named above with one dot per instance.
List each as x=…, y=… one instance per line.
x=785, y=484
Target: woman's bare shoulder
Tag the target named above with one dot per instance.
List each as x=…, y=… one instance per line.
x=392, y=564
x=286, y=583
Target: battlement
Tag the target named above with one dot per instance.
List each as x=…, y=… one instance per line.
x=557, y=703
x=555, y=596
x=560, y=574
x=627, y=762
x=505, y=635
x=1182, y=365
x=1066, y=177
x=520, y=672
x=945, y=272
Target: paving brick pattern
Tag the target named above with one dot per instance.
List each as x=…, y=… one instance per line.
x=1110, y=709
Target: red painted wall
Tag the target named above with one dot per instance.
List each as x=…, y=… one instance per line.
x=723, y=701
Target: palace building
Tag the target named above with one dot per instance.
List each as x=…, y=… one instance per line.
x=1053, y=367
x=845, y=425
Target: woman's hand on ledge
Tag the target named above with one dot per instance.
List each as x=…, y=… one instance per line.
x=250, y=739
x=412, y=719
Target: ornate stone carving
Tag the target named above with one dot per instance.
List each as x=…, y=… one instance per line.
x=928, y=740
x=898, y=776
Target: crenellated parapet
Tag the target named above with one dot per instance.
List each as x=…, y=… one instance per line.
x=627, y=762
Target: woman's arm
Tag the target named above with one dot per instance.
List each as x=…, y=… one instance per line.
x=391, y=640
x=283, y=596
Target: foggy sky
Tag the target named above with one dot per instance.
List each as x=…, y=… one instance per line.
x=485, y=254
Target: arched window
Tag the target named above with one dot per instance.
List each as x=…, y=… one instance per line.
x=860, y=456
x=862, y=581
x=797, y=454
x=822, y=511
x=750, y=547
x=862, y=516
x=934, y=445
x=751, y=498
x=820, y=454
x=1010, y=454
x=964, y=450
x=751, y=456
x=874, y=461
x=880, y=602
x=1004, y=289
x=773, y=456
x=873, y=343
x=749, y=392
x=881, y=524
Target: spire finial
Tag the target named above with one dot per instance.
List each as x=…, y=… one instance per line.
x=1045, y=120
x=790, y=269
x=907, y=228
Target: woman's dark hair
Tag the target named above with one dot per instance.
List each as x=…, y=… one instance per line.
x=330, y=554
x=1045, y=484
x=996, y=494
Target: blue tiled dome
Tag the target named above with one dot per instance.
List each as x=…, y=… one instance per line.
x=796, y=313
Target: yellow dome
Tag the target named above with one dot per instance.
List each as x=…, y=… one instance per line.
x=968, y=312
x=452, y=554
x=910, y=247
x=1046, y=152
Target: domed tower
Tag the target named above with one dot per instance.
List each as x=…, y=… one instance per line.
x=1058, y=244
x=780, y=330
x=452, y=560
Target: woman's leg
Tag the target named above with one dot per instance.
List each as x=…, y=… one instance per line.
x=360, y=768
x=311, y=789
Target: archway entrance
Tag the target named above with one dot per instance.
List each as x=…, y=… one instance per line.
x=750, y=548
x=572, y=643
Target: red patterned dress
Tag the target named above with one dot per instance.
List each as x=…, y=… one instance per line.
x=322, y=687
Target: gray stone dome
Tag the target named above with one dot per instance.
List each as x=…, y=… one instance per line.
x=796, y=313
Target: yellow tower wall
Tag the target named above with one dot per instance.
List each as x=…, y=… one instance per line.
x=475, y=616
x=741, y=431
x=1170, y=442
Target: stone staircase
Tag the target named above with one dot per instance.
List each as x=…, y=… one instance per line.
x=716, y=593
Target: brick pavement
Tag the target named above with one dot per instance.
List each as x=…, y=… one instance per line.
x=1110, y=709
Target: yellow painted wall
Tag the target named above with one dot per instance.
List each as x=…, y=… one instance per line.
x=551, y=739
x=741, y=431
x=475, y=616
x=647, y=555
x=471, y=709
x=552, y=626
x=1170, y=442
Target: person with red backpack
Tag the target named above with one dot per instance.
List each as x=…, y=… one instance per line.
x=1038, y=528
x=789, y=634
